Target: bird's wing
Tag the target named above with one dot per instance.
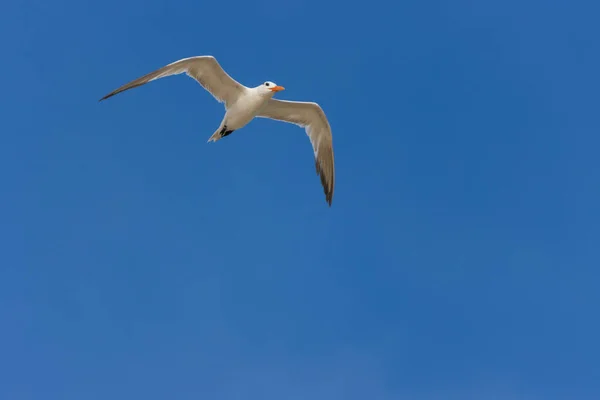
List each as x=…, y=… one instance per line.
x=204, y=69
x=311, y=117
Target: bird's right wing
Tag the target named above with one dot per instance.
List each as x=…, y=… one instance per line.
x=311, y=117
x=204, y=69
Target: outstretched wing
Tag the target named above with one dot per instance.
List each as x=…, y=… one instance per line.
x=204, y=69
x=311, y=117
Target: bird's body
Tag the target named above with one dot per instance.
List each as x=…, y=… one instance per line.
x=243, y=104
x=240, y=113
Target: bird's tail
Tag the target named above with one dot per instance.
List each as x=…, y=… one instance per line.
x=220, y=133
x=215, y=136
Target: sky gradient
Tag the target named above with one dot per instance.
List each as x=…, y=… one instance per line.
x=459, y=259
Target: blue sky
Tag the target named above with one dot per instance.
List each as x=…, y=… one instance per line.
x=459, y=259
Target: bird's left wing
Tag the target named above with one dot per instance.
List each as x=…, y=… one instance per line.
x=311, y=117
x=204, y=69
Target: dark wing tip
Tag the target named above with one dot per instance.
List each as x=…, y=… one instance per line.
x=326, y=188
x=133, y=84
x=119, y=90
x=111, y=94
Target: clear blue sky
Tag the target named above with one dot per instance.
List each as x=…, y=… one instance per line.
x=459, y=260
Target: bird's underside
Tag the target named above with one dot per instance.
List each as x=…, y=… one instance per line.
x=243, y=104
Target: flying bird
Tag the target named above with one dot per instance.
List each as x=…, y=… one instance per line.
x=243, y=104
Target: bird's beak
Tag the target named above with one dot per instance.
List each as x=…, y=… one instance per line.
x=277, y=89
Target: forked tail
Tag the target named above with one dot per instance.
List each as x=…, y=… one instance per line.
x=220, y=133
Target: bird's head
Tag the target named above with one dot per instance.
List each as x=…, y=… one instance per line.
x=270, y=88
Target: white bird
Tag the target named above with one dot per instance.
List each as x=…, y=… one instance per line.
x=243, y=104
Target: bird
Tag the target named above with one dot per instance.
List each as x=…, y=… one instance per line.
x=243, y=104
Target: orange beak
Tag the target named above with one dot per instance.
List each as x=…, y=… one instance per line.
x=277, y=89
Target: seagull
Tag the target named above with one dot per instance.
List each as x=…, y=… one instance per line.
x=243, y=104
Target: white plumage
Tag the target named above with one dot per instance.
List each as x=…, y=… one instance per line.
x=243, y=104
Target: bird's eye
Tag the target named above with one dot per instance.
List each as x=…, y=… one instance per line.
x=266, y=83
